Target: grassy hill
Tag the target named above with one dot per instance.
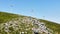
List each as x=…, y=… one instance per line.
x=54, y=26
x=4, y=17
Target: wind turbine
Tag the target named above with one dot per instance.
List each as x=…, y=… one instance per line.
x=11, y=5
x=32, y=12
x=43, y=17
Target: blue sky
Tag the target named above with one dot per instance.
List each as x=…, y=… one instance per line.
x=43, y=9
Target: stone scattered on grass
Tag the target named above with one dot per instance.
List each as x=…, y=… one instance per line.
x=25, y=24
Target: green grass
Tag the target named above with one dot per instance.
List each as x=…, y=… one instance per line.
x=7, y=16
x=52, y=25
x=4, y=17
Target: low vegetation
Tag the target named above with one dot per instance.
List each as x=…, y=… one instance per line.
x=5, y=17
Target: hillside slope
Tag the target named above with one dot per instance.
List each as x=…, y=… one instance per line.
x=4, y=16
x=54, y=26
x=7, y=17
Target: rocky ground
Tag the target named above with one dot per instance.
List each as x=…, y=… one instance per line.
x=24, y=25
